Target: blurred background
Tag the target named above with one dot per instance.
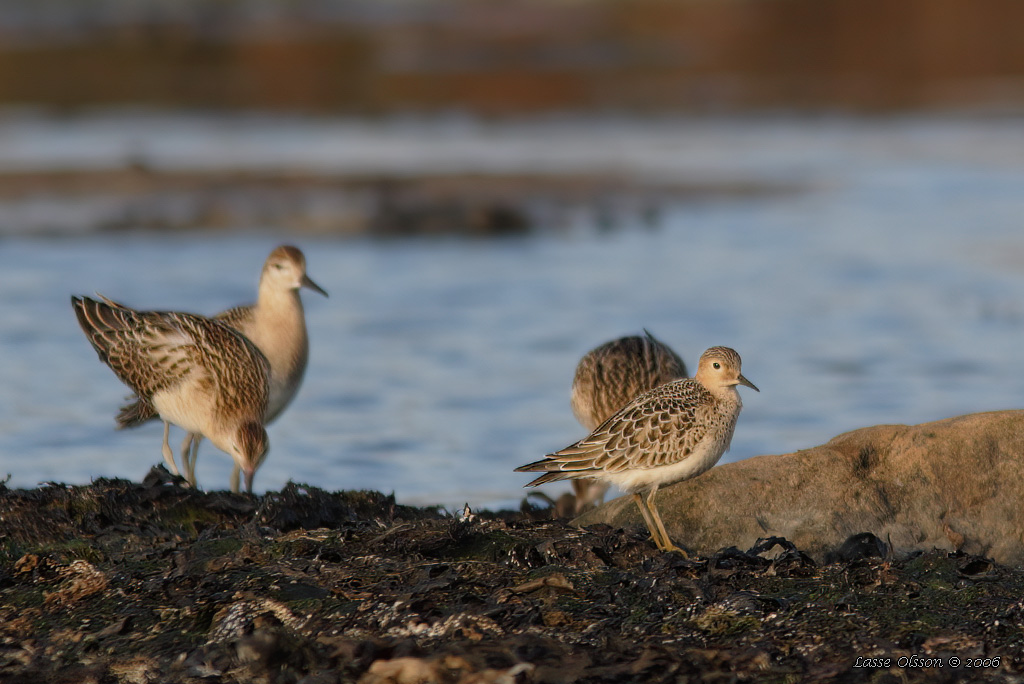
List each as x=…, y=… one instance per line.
x=489, y=189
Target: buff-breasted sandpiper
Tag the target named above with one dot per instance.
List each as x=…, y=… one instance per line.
x=671, y=433
x=606, y=379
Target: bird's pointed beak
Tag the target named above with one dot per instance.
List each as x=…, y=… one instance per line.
x=743, y=381
x=308, y=282
x=249, y=473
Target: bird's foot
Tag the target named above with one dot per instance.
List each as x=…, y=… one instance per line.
x=672, y=548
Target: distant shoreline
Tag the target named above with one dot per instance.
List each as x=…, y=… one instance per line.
x=366, y=58
x=351, y=205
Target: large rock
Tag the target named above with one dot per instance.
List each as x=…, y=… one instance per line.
x=952, y=484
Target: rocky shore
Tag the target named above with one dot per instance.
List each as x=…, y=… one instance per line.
x=954, y=484
x=154, y=582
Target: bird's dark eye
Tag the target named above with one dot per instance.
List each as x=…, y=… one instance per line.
x=716, y=365
x=279, y=266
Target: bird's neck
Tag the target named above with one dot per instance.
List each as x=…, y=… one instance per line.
x=280, y=327
x=728, y=398
x=273, y=297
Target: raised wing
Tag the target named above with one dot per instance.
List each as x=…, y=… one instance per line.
x=153, y=350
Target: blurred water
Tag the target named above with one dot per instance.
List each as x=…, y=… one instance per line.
x=891, y=291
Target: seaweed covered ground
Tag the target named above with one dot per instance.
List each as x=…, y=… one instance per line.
x=154, y=582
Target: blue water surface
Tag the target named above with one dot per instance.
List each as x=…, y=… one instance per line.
x=888, y=289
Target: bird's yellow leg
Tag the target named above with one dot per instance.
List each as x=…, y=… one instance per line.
x=646, y=513
x=168, y=455
x=189, y=455
x=236, y=474
x=666, y=543
x=193, y=456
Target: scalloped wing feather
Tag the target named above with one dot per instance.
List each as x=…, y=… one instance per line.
x=659, y=427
